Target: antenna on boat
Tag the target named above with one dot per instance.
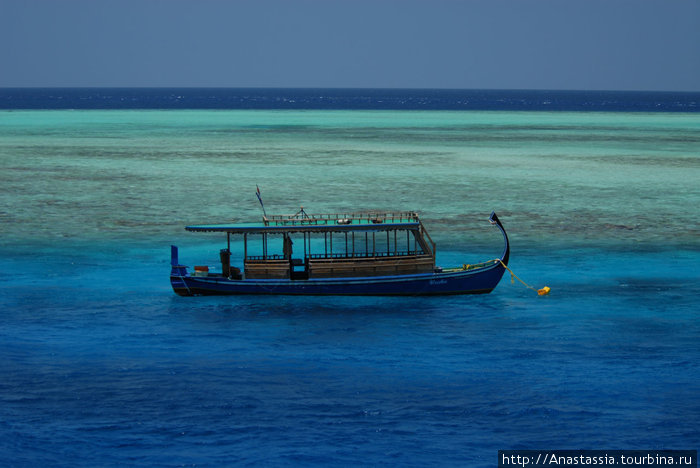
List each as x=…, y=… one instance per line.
x=301, y=213
x=257, y=192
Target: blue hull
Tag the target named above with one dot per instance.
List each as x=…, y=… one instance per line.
x=477, y=281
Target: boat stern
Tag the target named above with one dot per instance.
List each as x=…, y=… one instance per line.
x=178, y=273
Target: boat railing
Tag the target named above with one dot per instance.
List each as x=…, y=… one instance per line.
x=473, y=266
x=349, y=255
x=265, y=257
x=430, y=239
x=411, y=253
x=365, y=217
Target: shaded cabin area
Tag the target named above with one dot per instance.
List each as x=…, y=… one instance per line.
x=337, y=245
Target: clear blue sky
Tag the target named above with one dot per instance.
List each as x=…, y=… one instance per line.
x=515, y=44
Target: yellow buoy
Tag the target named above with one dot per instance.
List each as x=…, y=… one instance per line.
x=544, y=291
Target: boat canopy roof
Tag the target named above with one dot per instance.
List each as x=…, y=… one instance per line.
x=303, y=222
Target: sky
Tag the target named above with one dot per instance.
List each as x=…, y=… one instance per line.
x=651, y=45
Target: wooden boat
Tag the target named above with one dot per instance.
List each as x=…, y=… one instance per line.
x=340, y=254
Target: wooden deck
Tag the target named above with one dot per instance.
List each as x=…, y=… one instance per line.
x=370, y=266
x=343, y=267
x=267, y=269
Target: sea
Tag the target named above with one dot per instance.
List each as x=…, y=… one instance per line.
x=102, y=365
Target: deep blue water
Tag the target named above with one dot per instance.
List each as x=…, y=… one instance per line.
x=101, y=364
x=346, y=99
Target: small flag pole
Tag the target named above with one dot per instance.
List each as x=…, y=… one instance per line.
x=257, y=192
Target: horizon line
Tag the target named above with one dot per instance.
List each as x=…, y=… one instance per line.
x=299, y=88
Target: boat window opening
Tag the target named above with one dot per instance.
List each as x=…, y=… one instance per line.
x=275, y=246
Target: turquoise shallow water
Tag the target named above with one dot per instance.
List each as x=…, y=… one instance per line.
x=626, y=178
x=103, y=362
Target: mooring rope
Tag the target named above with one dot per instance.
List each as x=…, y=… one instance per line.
x=542, y=292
